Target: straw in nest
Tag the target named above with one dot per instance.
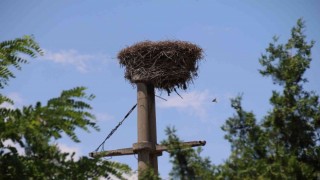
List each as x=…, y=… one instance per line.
x=165, y=64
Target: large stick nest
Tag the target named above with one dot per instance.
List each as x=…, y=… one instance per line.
x=165, y=64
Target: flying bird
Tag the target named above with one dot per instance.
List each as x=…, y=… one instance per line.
x=214, y=100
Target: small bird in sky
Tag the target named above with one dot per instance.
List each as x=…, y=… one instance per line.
x=214, y=100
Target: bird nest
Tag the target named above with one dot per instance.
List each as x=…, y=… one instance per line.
x=165, y=64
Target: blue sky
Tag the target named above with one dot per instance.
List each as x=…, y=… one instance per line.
x=82, y=38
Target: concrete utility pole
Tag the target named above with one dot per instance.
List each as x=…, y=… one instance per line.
x=147, y=131
x=147, y=148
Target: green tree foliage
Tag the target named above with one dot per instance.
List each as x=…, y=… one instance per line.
x=285, y=144
x=247, y=144
x=187, y=162
x=149, y=174
x=34, y=128
x=9, y=55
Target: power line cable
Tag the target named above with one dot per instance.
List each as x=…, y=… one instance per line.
x=114, y=129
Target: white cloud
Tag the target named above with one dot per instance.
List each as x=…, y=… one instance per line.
x=103, y=117
x=7, y=105
x=194, y=102
x=10, y=143
x=73, y=57
x=16, y=98
x=67, y=149
x=62, y=147
x=132, y=176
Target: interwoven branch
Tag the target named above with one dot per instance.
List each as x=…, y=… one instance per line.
x=165, y=64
